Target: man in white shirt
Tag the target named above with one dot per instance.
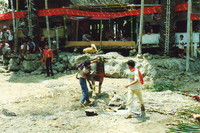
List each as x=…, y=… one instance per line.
x=24, y=48
x=5, y=47
x=181, y=49
x=134, y=88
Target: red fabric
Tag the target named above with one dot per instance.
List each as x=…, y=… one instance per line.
x=139, y=74
x=194, y=17
x=182, y=7
x=141, y=77
x=73, y=12
x=48, y=53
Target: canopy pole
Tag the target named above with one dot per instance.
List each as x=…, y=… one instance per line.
x=65, y=27
x=77, y=26
x=17, y=22
x=189, y=31
x=57, y=37
x=47, y=24
x=14, y=26
x=30, y=28
x=131, y=26
x=101, y=23
x=141, y=27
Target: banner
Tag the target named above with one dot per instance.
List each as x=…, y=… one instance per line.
x=74, y=12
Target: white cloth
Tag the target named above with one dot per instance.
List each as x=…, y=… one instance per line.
x=22, y=47
x=6, y=49
x=134, y=75
x=181, y=44
x=1, y=35
x=83, y=73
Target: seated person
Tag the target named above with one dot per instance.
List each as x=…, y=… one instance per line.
x=118, y=36
x=124, y=39
x=55, y=49
x=181, y=49
x=5, y=47
x=31, y=45
x=110, y=39
x=86, y=37
x=24, y=49
x=147, y=28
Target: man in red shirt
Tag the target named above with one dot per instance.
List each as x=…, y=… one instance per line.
x=48, y=59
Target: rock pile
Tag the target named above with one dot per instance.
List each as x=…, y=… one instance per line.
x=152, y=66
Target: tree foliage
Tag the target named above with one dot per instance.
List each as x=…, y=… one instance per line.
x=4, y=6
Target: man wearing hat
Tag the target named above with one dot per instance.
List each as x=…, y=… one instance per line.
x=55, y=48
x=5, y=33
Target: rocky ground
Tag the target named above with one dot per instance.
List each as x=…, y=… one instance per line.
x=33, y=103
x=52, y=105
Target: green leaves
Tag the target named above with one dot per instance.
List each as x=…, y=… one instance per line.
x=185, y=128
x=163, y=86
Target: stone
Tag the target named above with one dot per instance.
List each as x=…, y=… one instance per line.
x=91, y=112
x=116, y=68
x=14, y=64
x=133, y=52
x=146, y=55
x=59, y=67
x=13, y=56
x=6, y=112
x=118, y=100
x=2, y=70
x=139, y=56
x=113, y=55
x=37, y=72
x=31, y=57
x=30, y=66
x=5, y=61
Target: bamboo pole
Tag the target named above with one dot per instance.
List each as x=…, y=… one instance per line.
x=141, y=27
x=131, y=28
x=47, y=24
x=30, y=33
x=57, y=37
x=101, y=32
x=101, y=23
x=65, y=26
x=189, y=31
x=14, y=26
x=17, y=22
x=77, y=26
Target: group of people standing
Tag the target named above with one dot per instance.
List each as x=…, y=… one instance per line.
x=134, y=86
x=48, y=54
x=28, y=46
x=6, y=40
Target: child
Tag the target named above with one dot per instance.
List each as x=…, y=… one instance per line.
x=181, y=49
x=134, y=87
x=48, y=59
x=24, y=49
x=55, y=49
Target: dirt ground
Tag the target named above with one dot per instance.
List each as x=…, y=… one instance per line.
x=51, y=105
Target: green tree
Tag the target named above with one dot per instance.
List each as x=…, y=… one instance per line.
x=4, y=6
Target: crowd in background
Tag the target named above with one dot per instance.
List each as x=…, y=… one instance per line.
x=28, y=46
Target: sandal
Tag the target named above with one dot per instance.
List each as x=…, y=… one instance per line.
x=82, y=105
x=128, y=116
